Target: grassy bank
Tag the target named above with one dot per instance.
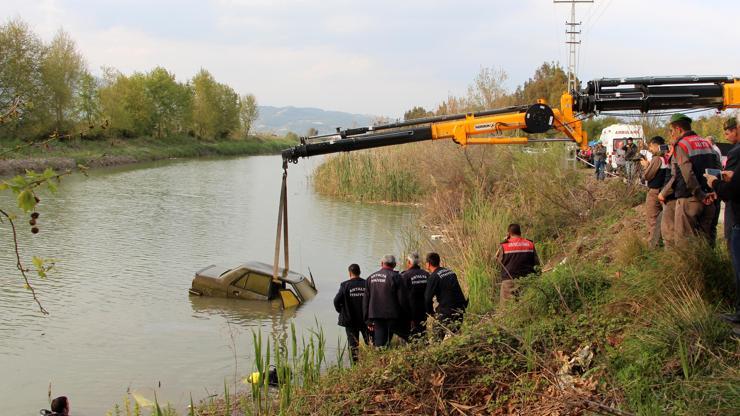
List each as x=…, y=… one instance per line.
x=610, y=327
x=63, y=154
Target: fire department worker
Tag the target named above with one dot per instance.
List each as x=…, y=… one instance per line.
x=348, y=302
x=518, y=258
x=655, y=176
x=692, y=155
x=385, y=301
x=444, y=286
x=415, y=280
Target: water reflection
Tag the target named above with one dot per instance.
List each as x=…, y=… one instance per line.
x=128, y=241
x=244, y=312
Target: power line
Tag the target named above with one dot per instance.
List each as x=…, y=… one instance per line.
x=572, y=30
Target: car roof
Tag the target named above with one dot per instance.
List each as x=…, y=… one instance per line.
x=267, y=269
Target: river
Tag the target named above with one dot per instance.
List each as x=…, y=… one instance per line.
x=127, y=242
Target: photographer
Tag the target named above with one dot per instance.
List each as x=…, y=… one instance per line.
x=655, y=176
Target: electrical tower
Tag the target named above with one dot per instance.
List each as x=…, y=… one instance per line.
x=572, y=29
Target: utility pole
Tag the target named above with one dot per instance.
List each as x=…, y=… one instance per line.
x=572, y=29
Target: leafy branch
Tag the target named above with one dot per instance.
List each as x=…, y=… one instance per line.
x=19, y=263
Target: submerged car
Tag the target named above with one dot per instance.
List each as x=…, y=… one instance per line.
x=253, y=281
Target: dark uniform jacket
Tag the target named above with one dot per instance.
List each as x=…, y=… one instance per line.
x=443, y=285
x=730, y=191
x=656, y=171
x=691, y=156
x=415, y=280
x=348, y=302
x=733, y=160
x=385, y=297
x=518, y=258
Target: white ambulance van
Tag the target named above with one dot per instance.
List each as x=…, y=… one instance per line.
x=615, y=137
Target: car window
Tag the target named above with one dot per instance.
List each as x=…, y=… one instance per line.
x=241, y=280
x=256, y=283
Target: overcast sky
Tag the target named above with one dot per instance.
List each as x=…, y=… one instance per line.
x=383, y=57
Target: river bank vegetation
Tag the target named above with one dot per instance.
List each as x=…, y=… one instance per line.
x=71, y=152
x=610, y=327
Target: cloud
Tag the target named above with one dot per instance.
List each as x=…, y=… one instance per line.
x=384, y=56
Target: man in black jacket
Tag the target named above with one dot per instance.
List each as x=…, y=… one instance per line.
x=348, y=302
x=443, y=285
x=385, y=301
x=728, y=189
x=732, y=134
x=415, y=280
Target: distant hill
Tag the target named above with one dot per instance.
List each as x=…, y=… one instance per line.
x=281, y=120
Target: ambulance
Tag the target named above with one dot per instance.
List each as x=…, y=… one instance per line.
x=615, y=137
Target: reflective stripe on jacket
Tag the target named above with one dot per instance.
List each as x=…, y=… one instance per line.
x=519, y=258
x=701, y=156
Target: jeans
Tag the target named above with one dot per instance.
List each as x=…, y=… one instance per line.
x=735, y=251
x=629, y=167
x=600, y=166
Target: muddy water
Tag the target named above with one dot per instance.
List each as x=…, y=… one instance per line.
x=127, y=242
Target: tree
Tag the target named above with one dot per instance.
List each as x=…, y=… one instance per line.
x=61, y=70
x=88, y=99
x=171, y=101
x=126, y=104
x=452, y=105
x=248, y=112
x=416, y=112
x=487, y=90
x=205, y=116
x=549, y=82
x=710, y=126
x=215, y=107
x=312, y=131
x=228, y=106
x=594, y=126
x=21, y=54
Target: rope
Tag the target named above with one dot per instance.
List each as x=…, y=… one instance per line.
x=282, y=228
x=608, y=173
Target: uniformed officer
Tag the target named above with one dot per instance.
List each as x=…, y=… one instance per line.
x=415, y=280
x=348, y=302
x=385, y=301
x=518, y=258
x=655, y=176
x=692, y=155
x=443, y=285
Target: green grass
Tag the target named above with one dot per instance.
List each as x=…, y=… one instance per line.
x=368, y=176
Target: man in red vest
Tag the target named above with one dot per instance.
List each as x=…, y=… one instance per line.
x=692, y=155
x=517, y=257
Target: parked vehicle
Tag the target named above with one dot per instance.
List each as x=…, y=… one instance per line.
x=614, y=138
